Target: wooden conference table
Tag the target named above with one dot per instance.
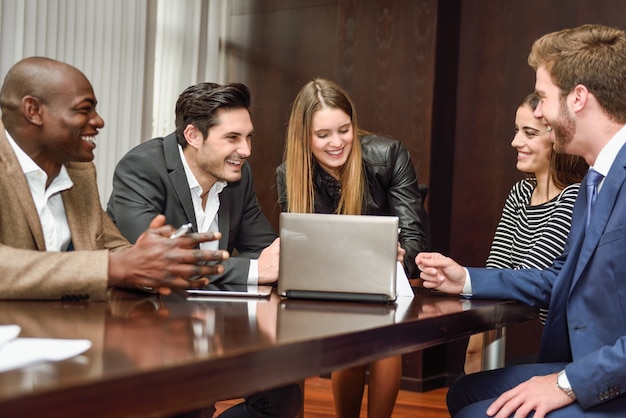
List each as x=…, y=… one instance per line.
x=153, y=356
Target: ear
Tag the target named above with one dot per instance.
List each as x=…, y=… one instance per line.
x=193, y=136
x=578, y=98
x=32, y=110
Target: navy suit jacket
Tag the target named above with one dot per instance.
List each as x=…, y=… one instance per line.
x=150, y=180
x=585, y=290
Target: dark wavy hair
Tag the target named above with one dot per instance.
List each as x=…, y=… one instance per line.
x=198, y=105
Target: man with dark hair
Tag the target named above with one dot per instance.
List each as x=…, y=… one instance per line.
x=199, y=175
x=50, y=205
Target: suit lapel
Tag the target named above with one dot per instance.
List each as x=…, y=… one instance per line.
x=580, y=247
x=14, y=174
x=76, y=206
x=176, y=173
x=223, y=216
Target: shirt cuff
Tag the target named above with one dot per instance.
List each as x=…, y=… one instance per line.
x=253, y=272
x=467, y=287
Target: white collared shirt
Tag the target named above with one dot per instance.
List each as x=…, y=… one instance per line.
x=608, y=154
x=48, y=201
x=207, y=216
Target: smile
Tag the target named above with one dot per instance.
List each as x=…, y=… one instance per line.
x=234, y=162
x=334, y=153
x=90, y=139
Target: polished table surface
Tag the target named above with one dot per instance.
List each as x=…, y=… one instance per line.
x=156, y=355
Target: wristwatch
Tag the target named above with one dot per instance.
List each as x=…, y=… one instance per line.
x=563, y=383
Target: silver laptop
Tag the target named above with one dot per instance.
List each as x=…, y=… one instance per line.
x=338, y=257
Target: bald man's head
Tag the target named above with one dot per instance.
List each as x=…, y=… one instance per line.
x=35, y=76
x=49, y=110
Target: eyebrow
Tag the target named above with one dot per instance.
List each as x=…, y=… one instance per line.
x=237, y=133
x=89, y=100
x=327, y=129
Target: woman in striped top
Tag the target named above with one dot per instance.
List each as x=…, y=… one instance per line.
x=536, y=218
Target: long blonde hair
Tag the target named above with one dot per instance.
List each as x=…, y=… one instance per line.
x=299, y=161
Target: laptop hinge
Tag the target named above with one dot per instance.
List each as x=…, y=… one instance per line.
x=339, y=296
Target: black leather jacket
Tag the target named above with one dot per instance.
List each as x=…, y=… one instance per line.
x=392, y=189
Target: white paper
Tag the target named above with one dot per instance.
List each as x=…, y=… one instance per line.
x=8, y=333
x=21, y=352
x=403, y=286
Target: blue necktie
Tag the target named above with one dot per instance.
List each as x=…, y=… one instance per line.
x=593, y=179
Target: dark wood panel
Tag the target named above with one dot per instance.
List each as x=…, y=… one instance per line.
x=444, y=123
x=386, y=61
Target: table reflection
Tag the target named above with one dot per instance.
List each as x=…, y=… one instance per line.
x=443, y=305
x=54, y=320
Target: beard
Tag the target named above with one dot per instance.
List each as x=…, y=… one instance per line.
x=564, y=129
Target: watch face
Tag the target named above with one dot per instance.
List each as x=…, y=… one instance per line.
x=563, y=384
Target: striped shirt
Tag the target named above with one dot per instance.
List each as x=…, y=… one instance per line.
x=532, y=236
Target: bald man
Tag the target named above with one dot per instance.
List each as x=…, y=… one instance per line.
x=56, y=242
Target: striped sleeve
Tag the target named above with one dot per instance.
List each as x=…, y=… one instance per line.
x=502, y=246
x=532, y=236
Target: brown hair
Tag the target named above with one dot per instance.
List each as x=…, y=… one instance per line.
x=591, y=55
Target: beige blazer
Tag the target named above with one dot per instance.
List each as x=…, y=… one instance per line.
x=27, y=271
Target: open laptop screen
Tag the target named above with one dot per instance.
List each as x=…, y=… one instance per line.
x=338, y=257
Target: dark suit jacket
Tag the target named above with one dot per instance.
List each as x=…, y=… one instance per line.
x=585, y=290
x=150, y=180
x=27, y=271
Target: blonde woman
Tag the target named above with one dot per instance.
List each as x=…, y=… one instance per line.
x=333, y=167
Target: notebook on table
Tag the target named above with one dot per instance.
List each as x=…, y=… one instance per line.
x=338, y=257
x=230, y=291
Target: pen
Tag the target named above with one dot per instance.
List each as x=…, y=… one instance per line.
x=184, y=229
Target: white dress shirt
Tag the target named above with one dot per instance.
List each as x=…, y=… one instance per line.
x=207, y=216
